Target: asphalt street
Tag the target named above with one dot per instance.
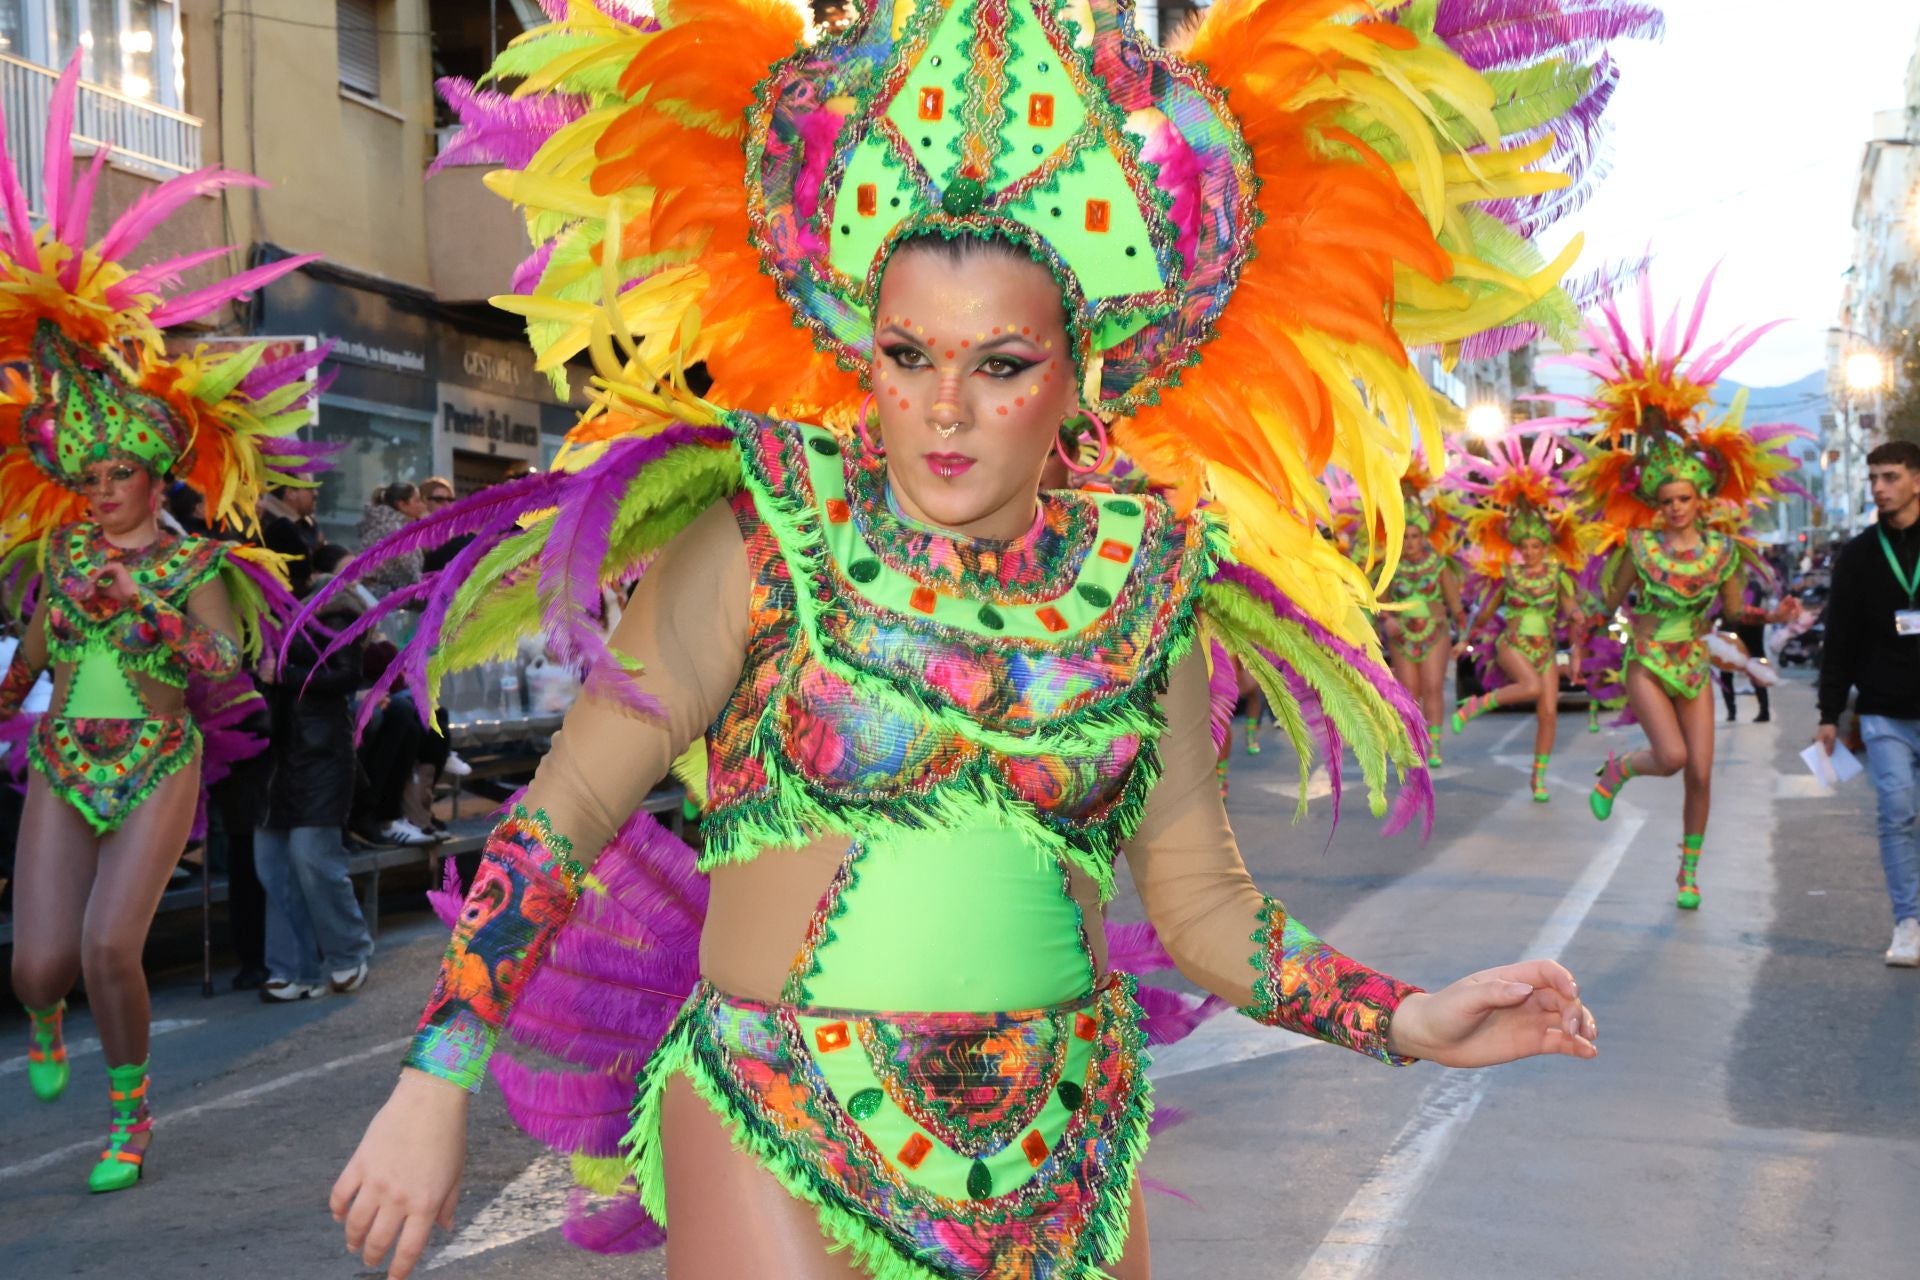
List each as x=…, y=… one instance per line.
x=1755, y=1110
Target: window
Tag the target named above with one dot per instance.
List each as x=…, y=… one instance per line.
x=130, y=46
x=359, y=46
x=378, y=446
x=13, y=30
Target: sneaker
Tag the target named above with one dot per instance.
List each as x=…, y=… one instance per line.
x=400, y=831
x=281, y=991
x=455, y=766
x=1905, y=951
x=347, y=981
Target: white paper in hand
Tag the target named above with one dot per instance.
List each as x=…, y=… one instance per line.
x=1832, y=770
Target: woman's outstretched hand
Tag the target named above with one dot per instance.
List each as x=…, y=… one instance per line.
x=1497, y=1015
x=405, y=1176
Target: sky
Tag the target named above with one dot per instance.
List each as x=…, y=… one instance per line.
x=1737, y=139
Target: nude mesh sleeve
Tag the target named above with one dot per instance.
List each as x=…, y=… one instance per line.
x=1221, y=931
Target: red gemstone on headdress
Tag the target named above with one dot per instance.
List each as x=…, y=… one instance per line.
x=832, y=1037
x=914, y=1153
x=1034, y=1148
x=1040, y=110
x=869, y=197
x=1099, y=214
x=932, y=103
x=922, y=599
x=1050, y=618
x=838, y=512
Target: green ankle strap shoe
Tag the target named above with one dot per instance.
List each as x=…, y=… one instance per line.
x=47, y=1055
x=122, y=1164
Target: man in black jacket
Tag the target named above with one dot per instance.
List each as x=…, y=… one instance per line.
x=1873, y=645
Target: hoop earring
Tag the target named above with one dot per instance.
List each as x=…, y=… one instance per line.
x=860, y=429
x=1100, y=434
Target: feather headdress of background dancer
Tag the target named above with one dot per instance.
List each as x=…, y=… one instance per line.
x=1248, y=233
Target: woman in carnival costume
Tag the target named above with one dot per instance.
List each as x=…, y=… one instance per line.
x=1670, y=490
x=125, y=613
x=1527, y=541
x=1426, y=612
x=937, y=702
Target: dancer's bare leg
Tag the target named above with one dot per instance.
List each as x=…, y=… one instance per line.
x=1546, y=711
x=730, y=1217
x=1523, y=681
x=1432, y=689
x=53, y=876
x=1697, y=728
x=1666, y=751
x=135, y=862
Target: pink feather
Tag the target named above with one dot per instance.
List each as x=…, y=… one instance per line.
x=1136, y=948
x=159, y=275
x=570, y=1111
x=58, y=160
x=191, y=306
x=151, y=210
x=73, y=232
x=621, y=1227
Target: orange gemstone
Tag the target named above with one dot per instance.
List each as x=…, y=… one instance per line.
x=932, y=104
x=1040, y=110
x=922, y=599
x=868, y=196
x=1034, y=1147
x=833, y=1037
x=1084, y=1026
x=837, y=511
x=1118, y=552
x=1050, y=619
x=1099, y=215
x=914, y=1153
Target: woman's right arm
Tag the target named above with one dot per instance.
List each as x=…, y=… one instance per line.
x=686, y=631
x=29, y=660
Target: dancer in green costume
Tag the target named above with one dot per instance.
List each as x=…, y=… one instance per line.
x=1418, y=631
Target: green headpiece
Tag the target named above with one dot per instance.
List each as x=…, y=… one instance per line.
x=87, y=408
x=1418, y=518
x=1050, y=124
x=1665, y=459
x=1525, y=521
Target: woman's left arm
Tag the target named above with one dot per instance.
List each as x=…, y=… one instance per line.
x=1245, y=947
x=204, y=636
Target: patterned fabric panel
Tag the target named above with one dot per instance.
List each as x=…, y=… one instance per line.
x=973, y=1145
x=1307, y=986
x=1681, y=581
x=104, y=769
x=522, y=892
x=170, y=570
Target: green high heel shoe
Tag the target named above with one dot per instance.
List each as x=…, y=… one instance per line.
x=47, y=1055
x=1688, y=899
x=120, y=1165
x=1433, y=746
x=1540, y=795
x=1613, y=775
x=1470, y=710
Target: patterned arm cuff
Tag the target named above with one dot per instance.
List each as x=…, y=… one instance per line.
x=17, y=685
x=1307, y=986
x=205, y=651
x=523, y=892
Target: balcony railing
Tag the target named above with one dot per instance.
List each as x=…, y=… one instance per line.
x=143, y=135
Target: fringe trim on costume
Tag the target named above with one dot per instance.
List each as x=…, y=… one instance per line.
x=846, y=1226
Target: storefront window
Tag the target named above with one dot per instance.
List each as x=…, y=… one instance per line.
x=379, y=447
x=130, y=46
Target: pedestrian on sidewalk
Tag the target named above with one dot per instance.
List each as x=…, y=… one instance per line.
x=317, y=939
x=1873, y=646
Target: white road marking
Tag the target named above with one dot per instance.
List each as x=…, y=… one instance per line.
x=1799, y=786
x=532, y=1204
x=1378, y=1210
x=227, y=1102
x=80, y=1048
x=1221, y=1041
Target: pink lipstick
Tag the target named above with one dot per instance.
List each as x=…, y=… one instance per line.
x=949, y=466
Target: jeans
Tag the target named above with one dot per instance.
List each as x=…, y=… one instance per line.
x=314, y=925
x=1893, y=761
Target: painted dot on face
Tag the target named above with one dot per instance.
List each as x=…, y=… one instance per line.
x=1026, y=330
x=1002, y=411
x=1019, y=402
x=904, y=405
x=952, y=354
x=964, y=344
x=1033, y=390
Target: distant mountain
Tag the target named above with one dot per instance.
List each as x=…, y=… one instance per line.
x=1800, y=403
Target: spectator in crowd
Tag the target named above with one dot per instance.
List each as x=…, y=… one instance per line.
x=436, y=492
x=1873, y=645
x=393, y=508
x=317, y=939
x=388, y=807
x=287, y=526
x=188, y=508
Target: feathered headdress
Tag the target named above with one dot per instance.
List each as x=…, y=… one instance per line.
x=1517, y=491
x=1648, y=421
x=100, y=384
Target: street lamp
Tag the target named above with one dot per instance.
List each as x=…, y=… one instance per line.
x=1865, y=372
x=1486, y=422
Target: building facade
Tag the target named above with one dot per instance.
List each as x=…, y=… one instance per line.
x=1880, y=305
